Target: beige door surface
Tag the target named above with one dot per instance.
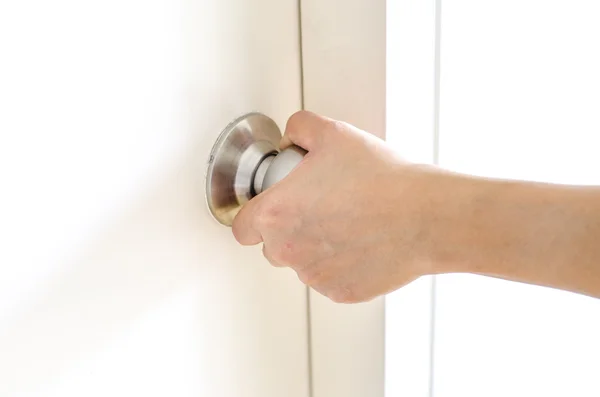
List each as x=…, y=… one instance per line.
x=114, y=279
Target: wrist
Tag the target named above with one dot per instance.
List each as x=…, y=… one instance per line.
x=518, y=230
x=435, y=216
x=544, y=234
x=471, y=222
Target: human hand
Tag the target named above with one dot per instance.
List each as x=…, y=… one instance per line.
x=345, y=219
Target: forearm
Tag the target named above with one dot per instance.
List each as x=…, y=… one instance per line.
x=534, y=233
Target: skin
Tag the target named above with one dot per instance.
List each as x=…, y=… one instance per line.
x=356, y=221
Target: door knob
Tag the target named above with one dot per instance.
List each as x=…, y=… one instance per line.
x=245, y=161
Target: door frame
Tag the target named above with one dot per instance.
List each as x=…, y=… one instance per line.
x=343, y=55
x=353, y=350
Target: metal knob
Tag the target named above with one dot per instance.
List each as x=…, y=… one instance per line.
x=276, y=167
x=244, y=162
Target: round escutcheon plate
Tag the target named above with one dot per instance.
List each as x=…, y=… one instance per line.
x=234, y=159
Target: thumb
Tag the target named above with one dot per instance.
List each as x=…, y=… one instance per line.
x=304, y=129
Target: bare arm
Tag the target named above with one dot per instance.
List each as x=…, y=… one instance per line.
x=355, y=221
x=535, y=233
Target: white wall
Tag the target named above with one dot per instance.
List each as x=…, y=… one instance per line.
x=114, y=280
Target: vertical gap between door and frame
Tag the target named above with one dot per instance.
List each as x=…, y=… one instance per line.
x=307, y=289
x=436, y=161
x=338, y=41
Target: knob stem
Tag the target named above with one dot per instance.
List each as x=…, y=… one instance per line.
x=259, y=175
x=280, y=166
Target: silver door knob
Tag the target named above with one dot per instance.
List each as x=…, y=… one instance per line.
x=276, y=167
x=244, y=162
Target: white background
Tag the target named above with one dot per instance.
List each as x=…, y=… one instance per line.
x=519, y=98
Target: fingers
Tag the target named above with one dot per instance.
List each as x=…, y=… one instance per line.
x=267, y=254
x=243, y=227
x=304, y=129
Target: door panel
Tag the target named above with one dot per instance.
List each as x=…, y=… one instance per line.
x=114, y=279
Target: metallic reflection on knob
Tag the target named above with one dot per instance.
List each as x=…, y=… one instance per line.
x=245, y=161
x=259, y=175
x=278, y=167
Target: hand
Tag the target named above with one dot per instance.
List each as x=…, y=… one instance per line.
x=345, y=219
x=355, y=221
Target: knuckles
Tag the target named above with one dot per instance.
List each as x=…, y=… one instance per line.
x=270, y=216
x=310, y=276
x=340, y=296
x=282, y=255
x=344, y=295
x=278, y=224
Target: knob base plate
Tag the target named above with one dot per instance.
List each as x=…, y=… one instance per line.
x=234, y=159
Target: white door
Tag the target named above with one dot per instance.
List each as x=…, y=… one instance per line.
x=114, y=279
